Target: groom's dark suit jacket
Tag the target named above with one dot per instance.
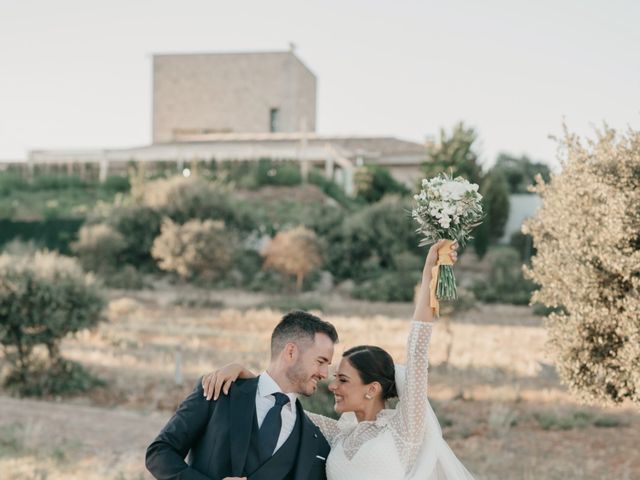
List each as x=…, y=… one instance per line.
x=217, y=435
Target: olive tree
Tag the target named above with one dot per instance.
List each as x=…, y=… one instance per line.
x=43, y=298
x=587, y=236
x=293, y=252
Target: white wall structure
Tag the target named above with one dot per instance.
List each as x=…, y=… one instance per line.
x=521, y=207
x=231, y=92
x=243, y=107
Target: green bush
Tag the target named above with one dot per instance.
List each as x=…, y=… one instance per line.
x=64, y=377
x=125, y=278
x=43, y=298
x=506, y=282
x=269, y=282
x=183, y=199
x=99, y=248
x=369, y=240
x=52, y=234
x=139, y=226
x=388, y=287
x=280, y=173
x=576, y=419
x=393, y=286
x=11, y=181
x=523, y=244
x=116, y=184
x=330, y=188
x=58, y=182
x=196, y=249
x=374, y=182
x=246, y=265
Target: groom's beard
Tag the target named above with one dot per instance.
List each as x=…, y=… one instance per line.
x=300, y=379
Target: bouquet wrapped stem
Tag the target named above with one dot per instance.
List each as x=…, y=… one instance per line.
x=443, y=282
x=446, y=208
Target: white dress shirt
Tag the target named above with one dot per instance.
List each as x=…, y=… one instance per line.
x=265, y=400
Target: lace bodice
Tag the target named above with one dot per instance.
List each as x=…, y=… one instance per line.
x=402, y=428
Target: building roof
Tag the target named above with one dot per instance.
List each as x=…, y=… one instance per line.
x=266, y=54
x=245, y=146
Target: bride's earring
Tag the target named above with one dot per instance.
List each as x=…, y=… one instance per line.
x=367, y=396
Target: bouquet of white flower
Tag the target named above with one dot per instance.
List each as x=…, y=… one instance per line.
x=447, y=208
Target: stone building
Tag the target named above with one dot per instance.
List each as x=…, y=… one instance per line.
x=242, y=107
x=197, y=94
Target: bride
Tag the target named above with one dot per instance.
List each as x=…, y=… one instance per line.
x=370, y=441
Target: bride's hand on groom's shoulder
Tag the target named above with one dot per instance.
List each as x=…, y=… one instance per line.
x=220, y=380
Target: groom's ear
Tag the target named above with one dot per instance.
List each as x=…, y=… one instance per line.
x=290, y=352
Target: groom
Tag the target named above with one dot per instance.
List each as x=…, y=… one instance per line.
x=258, y=431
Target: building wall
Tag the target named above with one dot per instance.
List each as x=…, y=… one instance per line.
x=521, y=207
x=207, y=93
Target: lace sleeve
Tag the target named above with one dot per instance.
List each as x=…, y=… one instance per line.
x=328, y=426
x=408, y=424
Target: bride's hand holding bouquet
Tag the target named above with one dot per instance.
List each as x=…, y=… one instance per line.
x=446, y=209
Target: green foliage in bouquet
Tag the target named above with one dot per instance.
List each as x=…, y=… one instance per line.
x=447, y=208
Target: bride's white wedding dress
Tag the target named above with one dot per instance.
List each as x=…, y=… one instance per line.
x=403, y=443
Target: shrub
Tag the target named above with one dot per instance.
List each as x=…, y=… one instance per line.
x=277, y=173
x=369, y=240
x=374, y=182
x=139, y=226
x=57, y=182
x=577, y=419
x=506, y=282
x=125, y=278
x=393, y=286
x=53, y=234
x=183, y=199
x=588, y=263
x=387, y=287
x=196, y=249
x=523, y=244
x=520, y=172
x=43, y=298
x=293, y=252
x=330, y=188
x=496, y=204
x=99, y=248
x=10, y=181
x=116, y=184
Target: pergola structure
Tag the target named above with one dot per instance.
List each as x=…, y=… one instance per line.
x=337, y=156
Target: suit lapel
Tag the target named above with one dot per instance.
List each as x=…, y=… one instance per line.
x=243, y=408
x=308, y=446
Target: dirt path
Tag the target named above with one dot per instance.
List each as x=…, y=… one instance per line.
x=52, y=440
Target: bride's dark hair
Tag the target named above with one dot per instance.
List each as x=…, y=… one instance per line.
x=374, y=365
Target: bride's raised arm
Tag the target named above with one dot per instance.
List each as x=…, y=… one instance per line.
x=409, y=423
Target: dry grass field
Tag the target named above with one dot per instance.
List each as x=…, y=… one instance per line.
x=502, y=407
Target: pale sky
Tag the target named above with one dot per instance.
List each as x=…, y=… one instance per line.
x=77, y=73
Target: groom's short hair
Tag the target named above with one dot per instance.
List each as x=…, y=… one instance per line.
x=299, y=327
